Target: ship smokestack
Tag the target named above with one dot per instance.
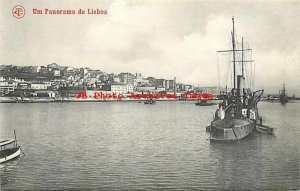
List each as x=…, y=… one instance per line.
x=240, y=85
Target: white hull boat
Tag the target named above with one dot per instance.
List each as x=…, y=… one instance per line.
x=9, y=150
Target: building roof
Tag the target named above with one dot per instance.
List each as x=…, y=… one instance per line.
x=38, y=83
x=116, y=83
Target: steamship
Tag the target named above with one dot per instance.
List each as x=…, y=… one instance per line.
x=283, y=96
x=237, y=115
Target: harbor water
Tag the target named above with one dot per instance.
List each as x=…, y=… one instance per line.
x=132, y=146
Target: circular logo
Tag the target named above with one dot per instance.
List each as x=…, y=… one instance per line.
x=18, y=11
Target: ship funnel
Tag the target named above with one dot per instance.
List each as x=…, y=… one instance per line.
x=240, y=84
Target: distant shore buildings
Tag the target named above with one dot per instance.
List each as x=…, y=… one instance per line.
x=55, y=80
x=24, y=81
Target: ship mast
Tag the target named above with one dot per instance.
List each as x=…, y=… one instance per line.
x=243, y=56
x=233, y=52
x=283, y=90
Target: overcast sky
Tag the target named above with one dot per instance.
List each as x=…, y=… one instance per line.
x=157, y=38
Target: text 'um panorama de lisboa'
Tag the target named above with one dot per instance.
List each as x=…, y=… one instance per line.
x=69, y=11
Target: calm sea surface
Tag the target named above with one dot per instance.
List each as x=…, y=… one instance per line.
x=131, y=146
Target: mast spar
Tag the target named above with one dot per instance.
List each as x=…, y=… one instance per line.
x=243, y=56
x=233, y=52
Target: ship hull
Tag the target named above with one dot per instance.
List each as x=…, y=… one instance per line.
x=231, y=130
x=9, y=154
x=205, y=104
x=283, y=100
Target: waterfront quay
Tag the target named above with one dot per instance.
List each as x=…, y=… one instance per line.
x=100, y=96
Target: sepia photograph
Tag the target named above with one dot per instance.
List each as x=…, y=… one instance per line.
x=150, y=95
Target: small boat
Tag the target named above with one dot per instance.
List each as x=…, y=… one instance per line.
x=8, y=100
x=204, y=102
x=150, y=101
x=283, y=96
x=265, y=129
x=9, y=150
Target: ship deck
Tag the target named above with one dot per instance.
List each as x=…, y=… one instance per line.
x=231, y=122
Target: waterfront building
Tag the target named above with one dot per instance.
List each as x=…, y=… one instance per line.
x=24, y=85
x=38, y=86
x=184, y=87
x=117, y=88
x=43, y=93
x=145, y=89
x=116, y=79
x=159, y=83
x=139, y=80
x=129, y=88
x=169, y=84
x=157, y=89
x=126, y=78
x=6, y=87
x=151, y=80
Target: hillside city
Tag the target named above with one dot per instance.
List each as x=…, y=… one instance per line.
x=55, y=80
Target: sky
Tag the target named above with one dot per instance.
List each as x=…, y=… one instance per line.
x=163, y=39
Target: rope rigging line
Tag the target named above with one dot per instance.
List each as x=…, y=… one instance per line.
x=231, y=73
x=227, y=70
x=253, y=78
x=218, y=68
x=251, y=75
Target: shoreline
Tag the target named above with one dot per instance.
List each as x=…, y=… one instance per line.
x=73, y=99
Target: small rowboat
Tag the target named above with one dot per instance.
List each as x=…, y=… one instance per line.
x=205, y=103
x=150, y=101
x=265, y=129
x=9, y=150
